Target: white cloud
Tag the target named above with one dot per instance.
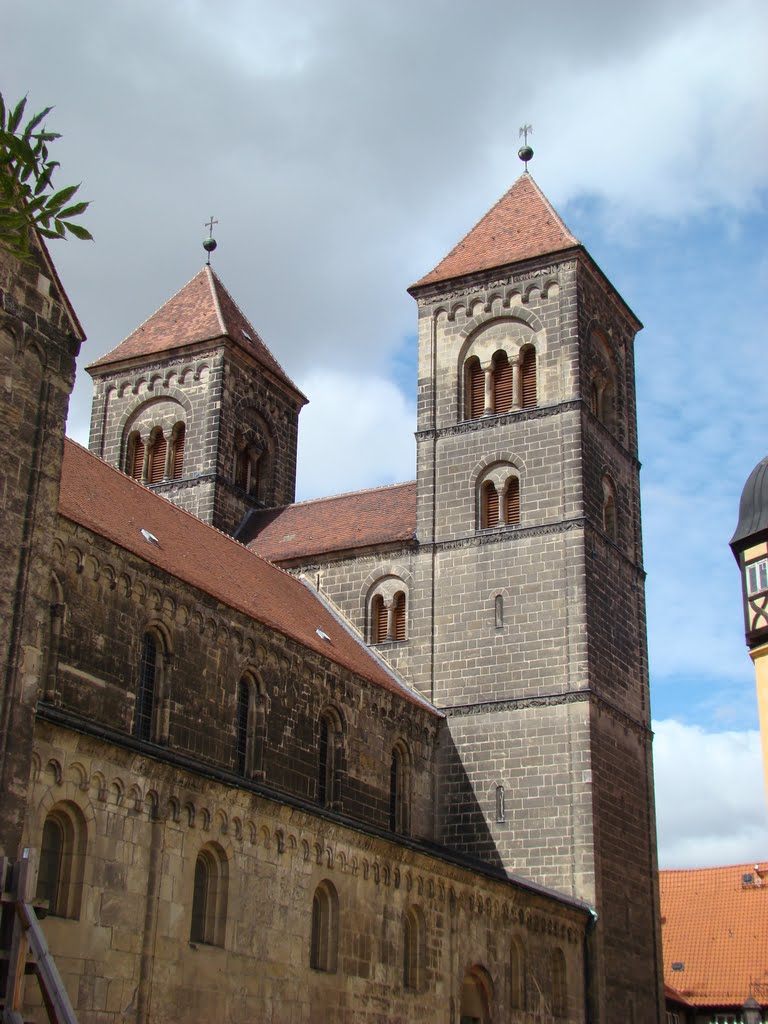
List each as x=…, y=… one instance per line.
x=711, y=804
x=356, y=432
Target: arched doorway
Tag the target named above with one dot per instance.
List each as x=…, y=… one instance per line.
x=475, y=997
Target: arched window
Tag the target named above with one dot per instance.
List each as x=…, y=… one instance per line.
x=602, y=381
x=250, y=726
x=135, y=457
x=378, y=620
x=503, y=391
x=528, y=385
x=512, y=501
x=517, y=976
x=414, y=949
x=499, y=497
x=559, y=987
x=329, y=761
x=400, y=789
x=490, y=505
x=209, y=896
x=177, y=456
x=474, y=386
x=399, y=617
x=324, y=940
x=498, y=609
x=144, y=711
x=158, y=451
x=62, y=860
x=388, y=611
x=609, y=508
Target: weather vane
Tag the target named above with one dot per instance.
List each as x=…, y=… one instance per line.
x=525, y=152
x=210, y=242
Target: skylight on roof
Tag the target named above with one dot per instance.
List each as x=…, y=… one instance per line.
x=322, y=634
x=245, y=334
x=149, y=536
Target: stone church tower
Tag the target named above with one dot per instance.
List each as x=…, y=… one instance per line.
x=530, y=610
x=193, y=404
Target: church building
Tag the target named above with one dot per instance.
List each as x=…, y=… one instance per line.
x=375, y=757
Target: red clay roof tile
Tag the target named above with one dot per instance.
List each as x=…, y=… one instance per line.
x=343, y=522
x=110, y=504
x=203, y=310
x=520, y=226
x=716, y=926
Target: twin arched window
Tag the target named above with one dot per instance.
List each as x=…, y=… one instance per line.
x=209, y=896
x=388, y=612
x=499, y=498
x=159, y=457
x=324, y=940
x=501, y=386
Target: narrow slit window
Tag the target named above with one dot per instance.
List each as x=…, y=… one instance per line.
x=490, y=505
x=145, y=697
x=512, y=502
x=475, y=389
x=177, y=469
x=399, y=617
x=378, y=620
x=157, y=457
x=137, y=458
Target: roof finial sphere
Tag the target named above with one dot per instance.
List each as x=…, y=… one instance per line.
x=209, y=244
x=525, y=153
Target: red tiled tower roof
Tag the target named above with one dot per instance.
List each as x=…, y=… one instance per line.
x=715, y=932
x=344, y=522
x=110, y=504
x=203, y=310
x=520, y=226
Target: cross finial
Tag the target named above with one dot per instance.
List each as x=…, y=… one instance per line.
x=525, y=152
x=210, y=242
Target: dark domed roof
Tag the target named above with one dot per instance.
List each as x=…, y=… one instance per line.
x=753, y=507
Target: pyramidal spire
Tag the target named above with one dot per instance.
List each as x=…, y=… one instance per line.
x=522, y=225
x=203, y=310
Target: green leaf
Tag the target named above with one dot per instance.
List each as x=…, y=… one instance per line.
x=74, y=211
x=15, y=118
x=31, y=125
x=79, y=231
x=58, y=199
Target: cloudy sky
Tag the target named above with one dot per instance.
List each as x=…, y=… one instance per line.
x=345, y=146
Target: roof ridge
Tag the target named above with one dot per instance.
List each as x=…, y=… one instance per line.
x=281, y=368
x=343, y=494
x=212, y=281
x=718, y=867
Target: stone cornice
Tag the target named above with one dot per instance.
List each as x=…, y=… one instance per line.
x=549, y=700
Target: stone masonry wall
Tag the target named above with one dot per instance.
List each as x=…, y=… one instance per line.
x=129, y=957
x=112, y=598
x=38, y=346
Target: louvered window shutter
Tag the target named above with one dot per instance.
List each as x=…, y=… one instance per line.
x=137, y=462
x=490, y=516
x=178, y=453
x=157, y=459
x=476, y=385
x=529, y=379
x=378, y=620
x=398, y=623
x=512, y=502
x=502, y=384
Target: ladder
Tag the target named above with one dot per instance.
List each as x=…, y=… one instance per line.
x=23, y=949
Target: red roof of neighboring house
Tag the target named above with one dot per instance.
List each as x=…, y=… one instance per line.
x=715, y=924
x=520, y=226
x=344, y=522
x=203, y=310
x=112, y=505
